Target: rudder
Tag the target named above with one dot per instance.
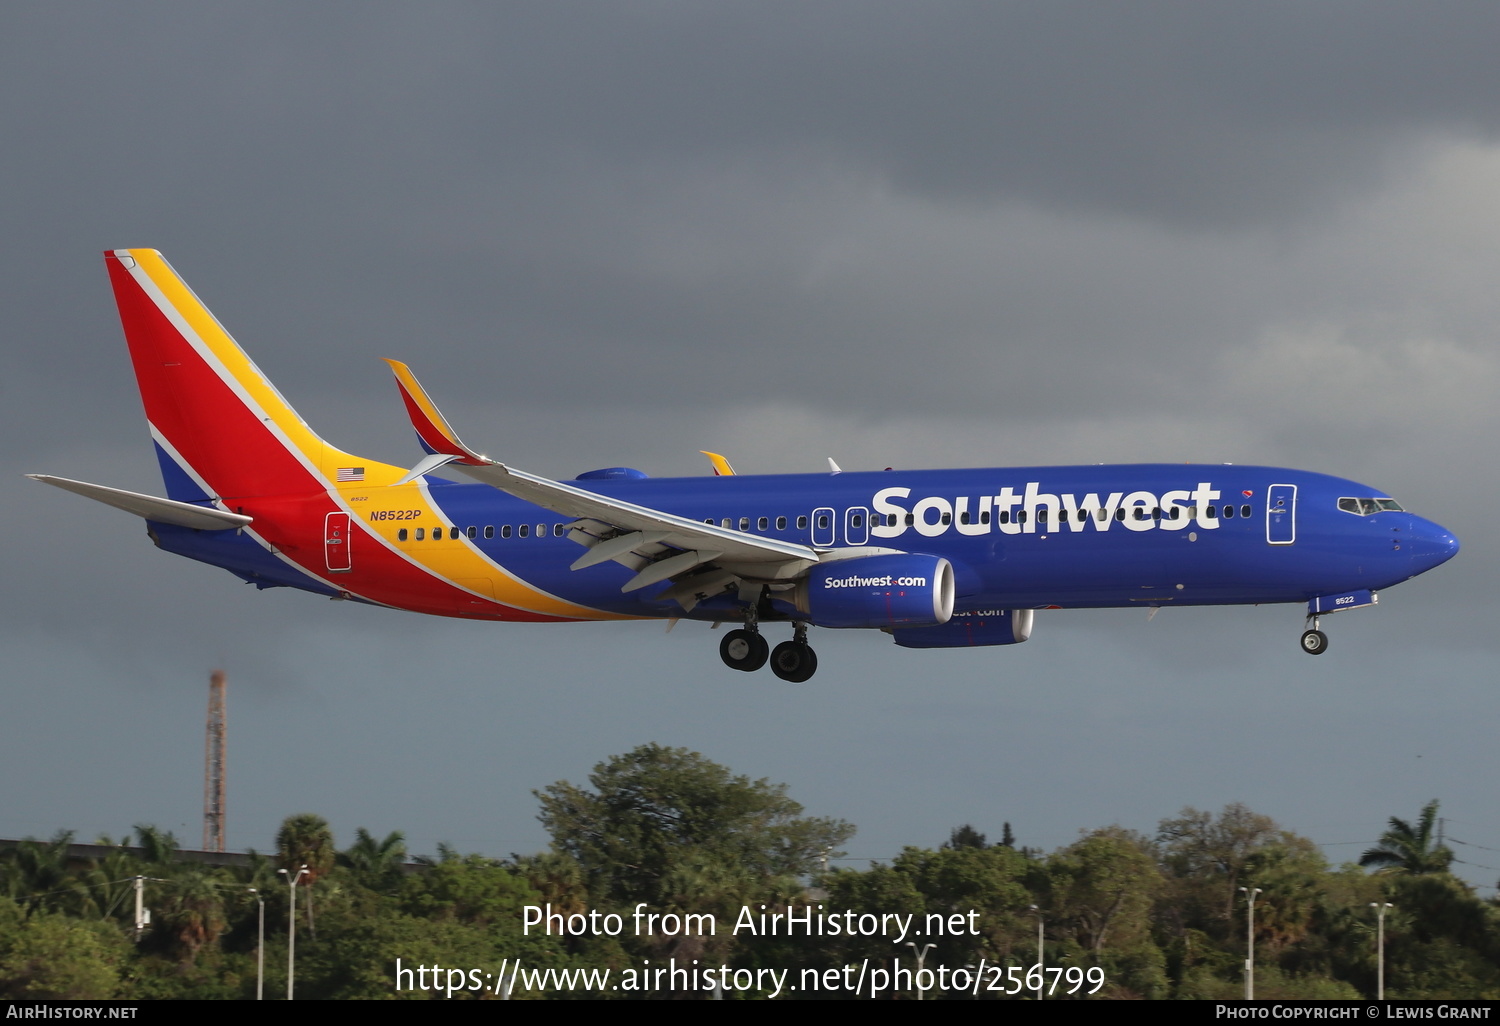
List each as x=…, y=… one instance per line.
x=221, y=429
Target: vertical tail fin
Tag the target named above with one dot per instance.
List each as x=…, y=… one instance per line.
x=222, y=430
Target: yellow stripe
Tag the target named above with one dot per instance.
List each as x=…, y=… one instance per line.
x=447, y=562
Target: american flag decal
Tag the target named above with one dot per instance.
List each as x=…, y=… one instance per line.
x=348, y=474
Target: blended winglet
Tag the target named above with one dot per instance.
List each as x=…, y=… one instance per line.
x=432, y=428
x=721, y=465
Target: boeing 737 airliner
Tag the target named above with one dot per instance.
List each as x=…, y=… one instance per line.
x=935, y=558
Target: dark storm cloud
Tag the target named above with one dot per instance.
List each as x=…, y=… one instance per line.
x=503, y=183
x=1183, y=111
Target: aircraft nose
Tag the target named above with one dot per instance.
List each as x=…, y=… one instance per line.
x=1431, y=545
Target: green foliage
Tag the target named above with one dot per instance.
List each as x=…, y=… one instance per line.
x=670, y=828
x=1162, y=917
x=305, y=840
x=48, y=955
x=1408, y=848
x=965, y=837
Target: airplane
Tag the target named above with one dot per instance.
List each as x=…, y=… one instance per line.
x=934, y=558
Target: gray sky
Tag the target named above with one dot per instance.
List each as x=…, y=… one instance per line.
x=935, y=235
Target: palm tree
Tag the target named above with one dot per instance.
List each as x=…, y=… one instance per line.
x=376, y=864
x=1404, y=848
x=304, y=840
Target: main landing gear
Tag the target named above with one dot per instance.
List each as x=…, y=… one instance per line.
x=745, y=649
x=1314, y=641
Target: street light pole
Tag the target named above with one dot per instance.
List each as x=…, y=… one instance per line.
x=921, y=958
x=1250, y=893
x=260, y=947
x=1380, y=907
x=291, y=928
x=1041, y=988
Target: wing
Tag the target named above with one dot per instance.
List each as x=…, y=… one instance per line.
x=700, y=558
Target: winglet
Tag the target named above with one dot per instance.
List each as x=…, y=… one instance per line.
x=432, y=428
x=721, y=465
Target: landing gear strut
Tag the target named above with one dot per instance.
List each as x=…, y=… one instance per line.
x=795, y=661
x=1314, y=641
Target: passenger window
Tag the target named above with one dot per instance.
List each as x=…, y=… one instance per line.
x=781, y=523
x=421, y=533
x=1021, y=517
x=762, y=524
x=523, y=531
x=1083, y=515
x=1228, y=512
x=1156, y=513
x=802, y=523
x=859, y=520
x=1004, y=516
x=401, y=534
x=725, y=523
x=473, y=532
x=709, y=521
x=1120, y=513
x=1103, y=513
x=823, y=522
x=744, y=523
x=1140, y=514
x=505, y=531
x=1245, y=511
x=1212, y=512
x=911, y=518
x=963, y=518
x=984, y=517
x=557, y=530
x=541, y=530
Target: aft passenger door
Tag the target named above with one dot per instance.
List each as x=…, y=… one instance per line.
x=1281, y=514
x=336, y=543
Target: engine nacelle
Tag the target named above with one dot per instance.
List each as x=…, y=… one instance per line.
x=900, y=590
x=971, y=629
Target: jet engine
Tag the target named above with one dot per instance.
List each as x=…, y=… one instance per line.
x=900, y=590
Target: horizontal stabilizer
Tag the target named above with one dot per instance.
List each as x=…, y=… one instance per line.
x=164, y=511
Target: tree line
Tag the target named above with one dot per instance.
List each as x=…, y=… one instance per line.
x=665, y=829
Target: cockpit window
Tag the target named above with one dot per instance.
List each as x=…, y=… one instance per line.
x=1365, y=507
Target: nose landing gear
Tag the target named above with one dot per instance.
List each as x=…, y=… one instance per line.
x=1314, y=641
